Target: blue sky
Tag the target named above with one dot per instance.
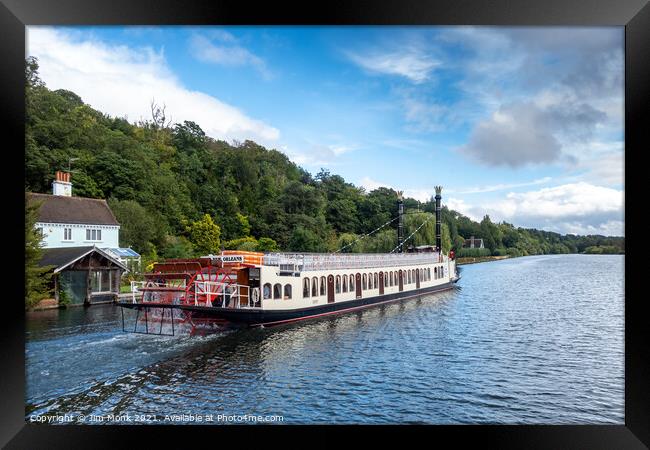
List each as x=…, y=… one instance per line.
x=523, y=124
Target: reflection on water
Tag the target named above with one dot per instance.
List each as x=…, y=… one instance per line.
x=529, y=340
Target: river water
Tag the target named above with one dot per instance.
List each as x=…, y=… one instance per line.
x=533, y=340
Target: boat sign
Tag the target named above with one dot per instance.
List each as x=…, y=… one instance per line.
x=231, y=258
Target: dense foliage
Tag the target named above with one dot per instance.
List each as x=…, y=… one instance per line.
x=37, y=279
x=177, y=192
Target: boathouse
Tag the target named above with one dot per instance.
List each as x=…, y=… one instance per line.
x=84, y=275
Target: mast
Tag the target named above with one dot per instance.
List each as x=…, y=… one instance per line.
x=400, y=222
x=438, y=219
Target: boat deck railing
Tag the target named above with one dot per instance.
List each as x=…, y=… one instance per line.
x=298, y=262
x=228, y=295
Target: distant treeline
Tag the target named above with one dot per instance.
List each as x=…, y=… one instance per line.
x=178, y=193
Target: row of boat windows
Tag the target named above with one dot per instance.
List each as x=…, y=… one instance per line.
x=314, y=287
x=277, y=291
x=345, y=283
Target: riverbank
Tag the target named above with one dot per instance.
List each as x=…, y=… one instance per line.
x=479, y=259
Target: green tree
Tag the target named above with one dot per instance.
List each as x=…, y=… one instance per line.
x=426, y=234
x=349, y=244
x=137, y=228
x=446, y=239
x=305, y=240
x=244, y=224
x=176, y=247
x=265, y=244
x=383, y=241
x=205, y=235
x=37, y=279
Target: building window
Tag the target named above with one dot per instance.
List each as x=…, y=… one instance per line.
x=267, y=291
x=305, y=287
x=385, y=279
x=322, y=285
x=370, y=281
x=277, y=291
x=93, y=235
x=67, y=234
x=364, y=283
x=352, y=283
x=338, y=284
x=287, y=291
x=314, y=287
x=345, y=283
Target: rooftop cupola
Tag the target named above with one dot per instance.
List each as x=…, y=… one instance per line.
x=62, y=185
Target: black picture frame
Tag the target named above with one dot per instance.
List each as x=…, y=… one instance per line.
x=633, y=14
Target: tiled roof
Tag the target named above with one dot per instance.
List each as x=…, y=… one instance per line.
x=82, y=210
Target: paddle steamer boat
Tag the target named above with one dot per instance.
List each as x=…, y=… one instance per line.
x=266, y=289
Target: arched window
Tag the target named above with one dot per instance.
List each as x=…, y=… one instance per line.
x=351, y=283
x=385, y=279
x=408, y=277
x=345, y=283
x=422, y=274
x=305, y=287
x=370, y=283
x=277, y=291
x=376, y=280
x=392, y=282
x=267, y=290
x=314, y=287
x=338, y=284
x=364, y=282
x=435, y=273
x=323, y=285
x=287, y=291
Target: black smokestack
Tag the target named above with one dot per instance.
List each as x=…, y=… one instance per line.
x=400, y=221
x=438, y=219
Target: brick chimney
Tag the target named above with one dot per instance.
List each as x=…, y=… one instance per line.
x=62, y=185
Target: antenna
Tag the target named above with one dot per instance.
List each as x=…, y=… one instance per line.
x=70, y=163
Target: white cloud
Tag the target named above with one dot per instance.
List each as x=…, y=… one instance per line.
x=408, y=62
x=227, y=52
x=459, y=205
x=579, y=208
x=500, y=187
x=317, y=154
x=122, y=81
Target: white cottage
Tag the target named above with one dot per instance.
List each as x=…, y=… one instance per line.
x=67, y=221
